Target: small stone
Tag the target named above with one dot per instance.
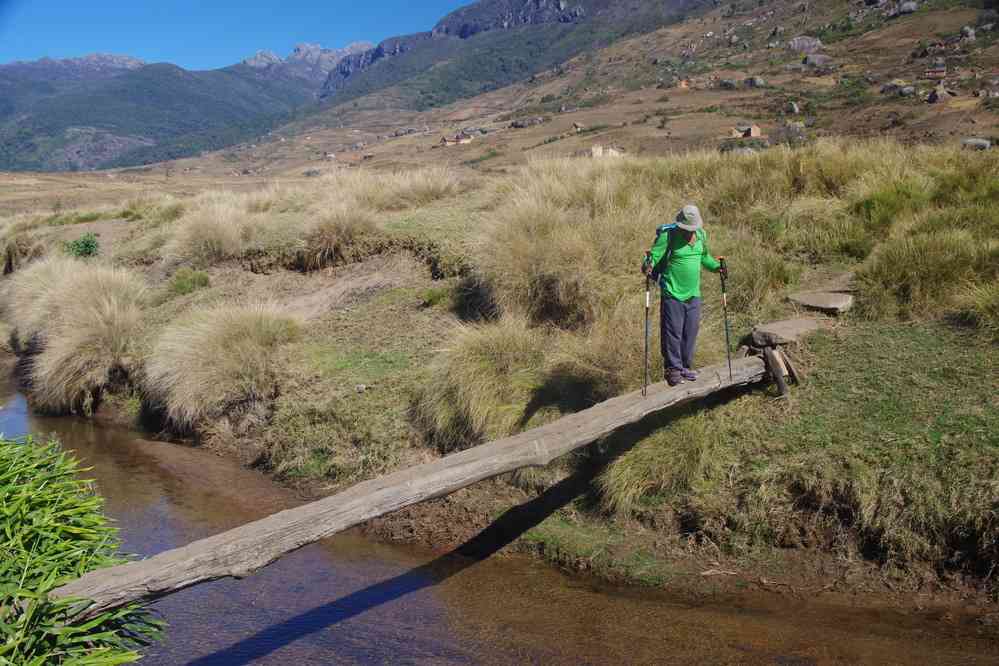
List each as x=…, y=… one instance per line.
x=976, y=144
x=824, y=301
x=793, y=108
x=784, y=332
x=805, y=45
x=817, y=60
x=361, y=388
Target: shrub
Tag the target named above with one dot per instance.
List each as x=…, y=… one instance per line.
x=187, y=280
x=52, y=530
x=217, y=362
x=84, y=246
x=84, y=322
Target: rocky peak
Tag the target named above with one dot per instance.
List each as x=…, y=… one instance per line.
x=505, y=14
x=263, y=59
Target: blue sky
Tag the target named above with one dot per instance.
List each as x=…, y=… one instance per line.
x=202, y=34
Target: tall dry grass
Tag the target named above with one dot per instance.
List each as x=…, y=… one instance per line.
x=217, y=362
x=562, y=255
x=83, y=320
x=331, y=222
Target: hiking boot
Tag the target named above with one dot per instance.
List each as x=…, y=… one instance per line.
x=673, y=377
x=689, y=375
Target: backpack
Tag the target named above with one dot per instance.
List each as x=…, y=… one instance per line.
x=657, y=271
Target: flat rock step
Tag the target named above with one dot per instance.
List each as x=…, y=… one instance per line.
x=784, y=332
x=824, y=301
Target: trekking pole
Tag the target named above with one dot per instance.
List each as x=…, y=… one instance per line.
x=728, y=335
x=648, y=306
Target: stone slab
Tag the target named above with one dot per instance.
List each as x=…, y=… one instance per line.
x=784, y=332
x=823, y=301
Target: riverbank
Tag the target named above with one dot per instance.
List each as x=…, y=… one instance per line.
x=357, y=599
x=411, y=315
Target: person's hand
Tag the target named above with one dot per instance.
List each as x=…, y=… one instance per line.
x=723, y=269
x=646, y=269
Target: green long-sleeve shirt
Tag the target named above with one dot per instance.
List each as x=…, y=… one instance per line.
x=679, y=263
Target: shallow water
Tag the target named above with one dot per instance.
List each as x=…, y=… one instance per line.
x=351, y=601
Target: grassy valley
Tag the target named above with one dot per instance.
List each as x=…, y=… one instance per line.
x=333, y=331
x=348, y=295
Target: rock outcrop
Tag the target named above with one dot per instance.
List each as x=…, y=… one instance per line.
x=358, y=62
x=506, y=14
x=483, y=16
x=310, y=62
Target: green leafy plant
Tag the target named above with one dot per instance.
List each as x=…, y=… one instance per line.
x=52, y=530
x=84, y=246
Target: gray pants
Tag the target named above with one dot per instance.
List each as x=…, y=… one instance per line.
x=680, y=322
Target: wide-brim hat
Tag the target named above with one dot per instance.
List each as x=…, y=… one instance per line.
x=689, y=219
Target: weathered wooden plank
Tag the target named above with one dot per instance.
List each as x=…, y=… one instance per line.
x=243, y=550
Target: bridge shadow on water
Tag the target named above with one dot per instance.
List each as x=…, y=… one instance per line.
x=504, y=531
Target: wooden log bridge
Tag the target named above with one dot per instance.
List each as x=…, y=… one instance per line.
x=241, y=551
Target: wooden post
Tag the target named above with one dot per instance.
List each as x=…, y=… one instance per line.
x=241, y=551
x=776, y=369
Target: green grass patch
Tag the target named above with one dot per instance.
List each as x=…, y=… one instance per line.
x=187, y=281
x=490, y=154
x=52, y=530
x=360, y=365
x=65, y=219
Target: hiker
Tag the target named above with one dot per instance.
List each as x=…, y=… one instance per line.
x=676, y=257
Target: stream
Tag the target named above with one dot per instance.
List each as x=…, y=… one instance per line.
x=349, y=600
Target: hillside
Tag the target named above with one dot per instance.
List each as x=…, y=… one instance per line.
x=491, y=44
x=103, y=111
x=137, y=114
x=683, y=86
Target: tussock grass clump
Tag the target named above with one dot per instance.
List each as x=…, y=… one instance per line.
x=52, y=530
x=671, y=464
x=978, y=305
x=393, y=191
x=34, y=297
x=83, y=321
x=92, y=342
x=153, y=210
x=482, y=383
x=342, y=235
x=215, y=230
x=922, y=275
x=217, y=362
